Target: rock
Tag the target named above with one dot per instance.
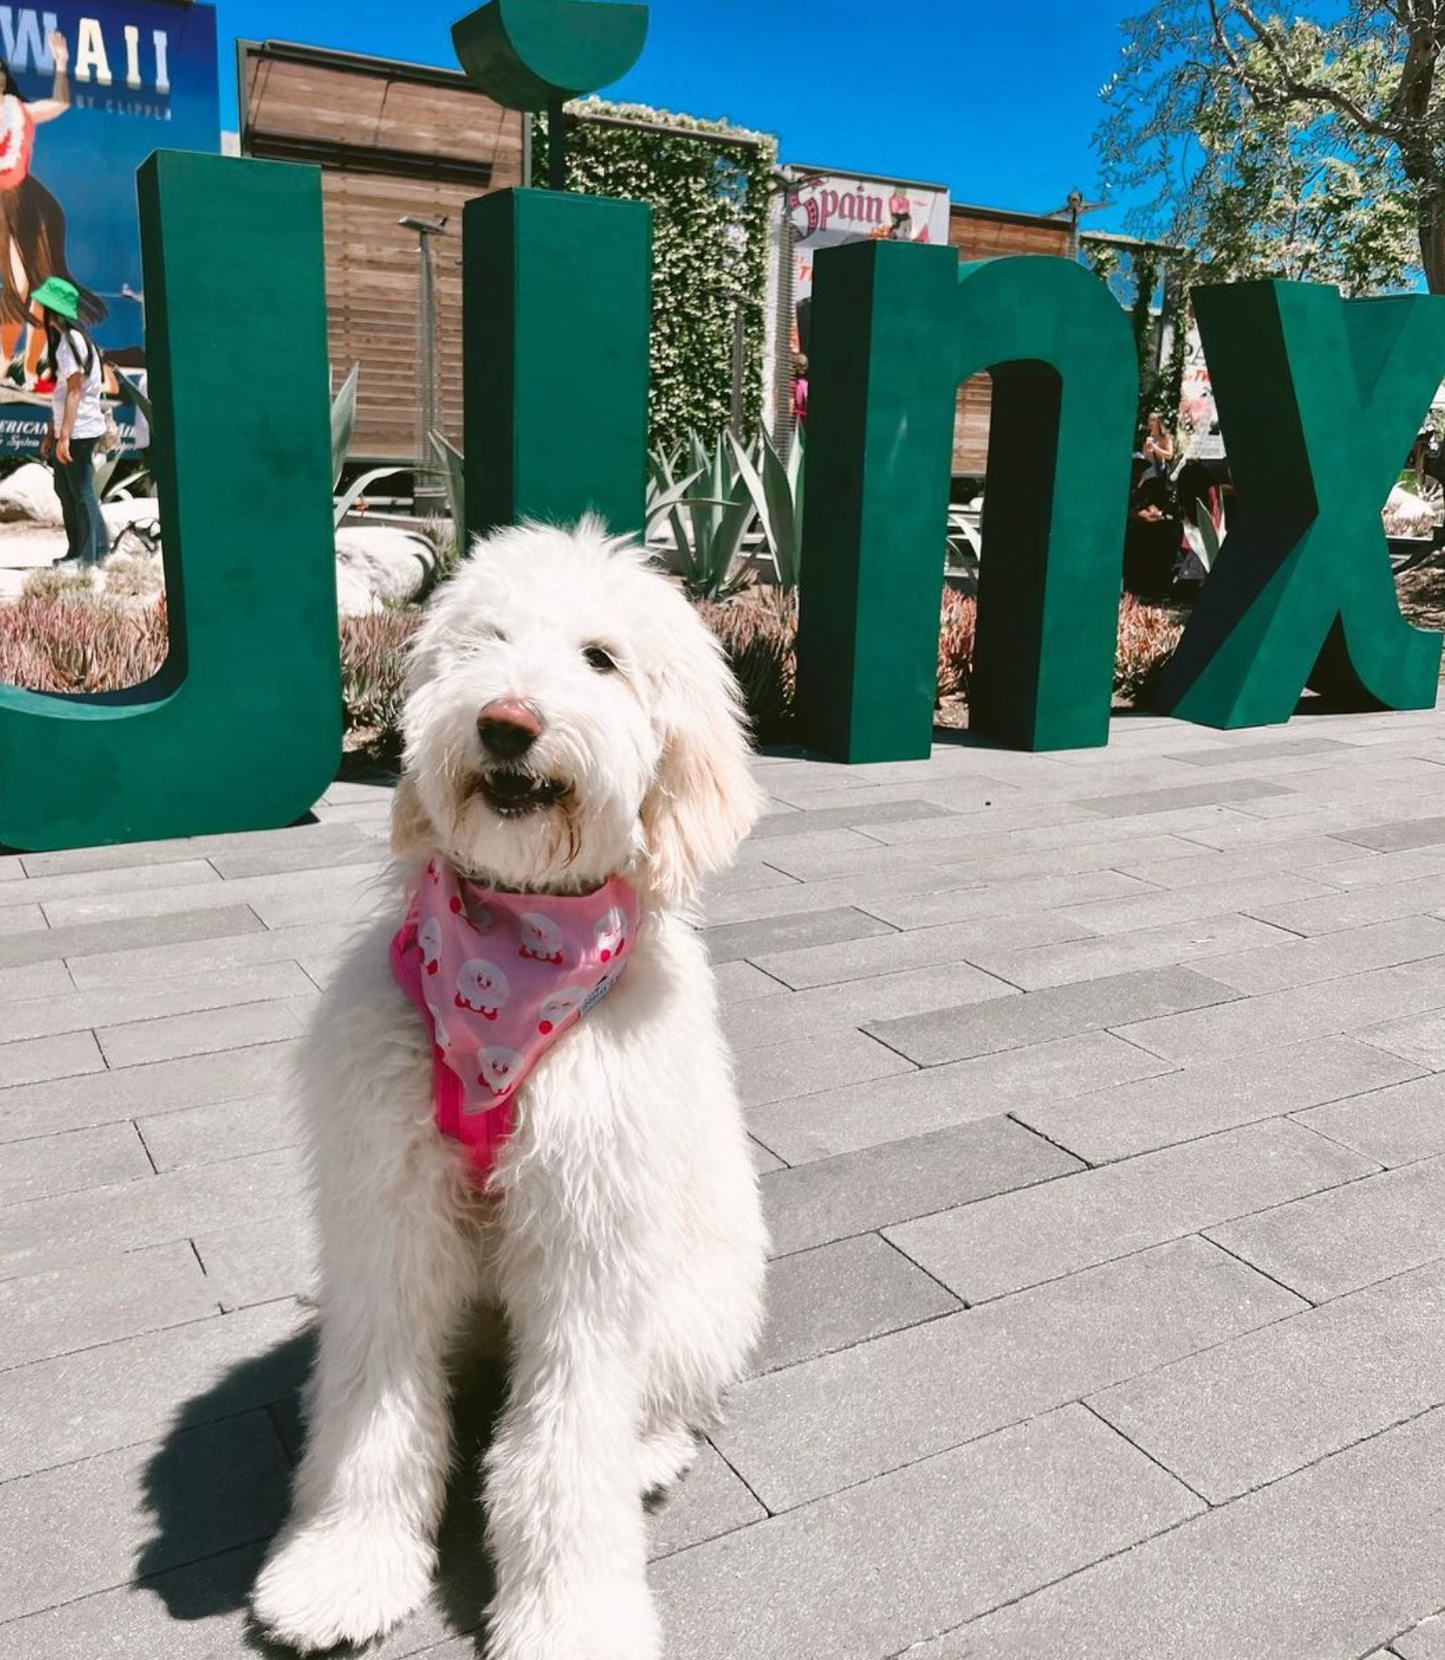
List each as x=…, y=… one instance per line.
x=387, y=562
x=124, y=511
x=353, y=597
x=29, y=493
x=1408, y=514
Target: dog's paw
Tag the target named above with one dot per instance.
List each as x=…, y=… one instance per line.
x=611, y=1621
x=664, y=1459
x=325, y=1584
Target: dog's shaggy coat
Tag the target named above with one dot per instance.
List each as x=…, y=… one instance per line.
x=621, y=1231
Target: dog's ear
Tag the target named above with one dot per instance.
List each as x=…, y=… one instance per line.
x=412, y=833
x=703, y=799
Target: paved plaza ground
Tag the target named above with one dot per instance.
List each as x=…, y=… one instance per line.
x=1099, y=1101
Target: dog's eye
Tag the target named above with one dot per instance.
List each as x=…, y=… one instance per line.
x=600, y=660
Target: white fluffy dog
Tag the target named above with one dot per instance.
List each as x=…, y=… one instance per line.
x=620, y=1231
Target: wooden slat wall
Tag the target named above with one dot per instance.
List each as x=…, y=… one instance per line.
x=292, y=108
x=979, y=235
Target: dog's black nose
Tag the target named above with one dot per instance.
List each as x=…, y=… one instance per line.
x=509, y=727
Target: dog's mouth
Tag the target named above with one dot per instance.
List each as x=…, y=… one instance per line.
x=512, y=793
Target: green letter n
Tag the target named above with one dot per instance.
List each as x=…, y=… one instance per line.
x=896, y=328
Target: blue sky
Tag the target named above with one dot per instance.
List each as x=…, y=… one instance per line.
x=996, y=102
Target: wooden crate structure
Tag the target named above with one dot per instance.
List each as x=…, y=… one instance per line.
x=984, y=233
x=392, y=140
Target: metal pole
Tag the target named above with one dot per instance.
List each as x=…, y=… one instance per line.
x=740, y=353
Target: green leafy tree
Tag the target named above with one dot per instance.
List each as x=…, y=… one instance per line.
x=1303, y=141
x=708, y=183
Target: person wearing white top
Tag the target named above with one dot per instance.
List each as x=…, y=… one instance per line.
x=77, y=422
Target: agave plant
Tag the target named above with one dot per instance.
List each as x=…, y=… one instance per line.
x=776, y=488
x=711, y=525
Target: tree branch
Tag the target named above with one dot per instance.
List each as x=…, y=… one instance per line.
x=1289, y=88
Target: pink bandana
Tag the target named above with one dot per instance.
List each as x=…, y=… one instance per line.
x=498, y=977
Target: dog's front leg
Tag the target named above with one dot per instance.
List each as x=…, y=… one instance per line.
x=358, y=1552
x=564, y=1518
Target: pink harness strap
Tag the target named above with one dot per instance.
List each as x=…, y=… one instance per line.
x=498, y=977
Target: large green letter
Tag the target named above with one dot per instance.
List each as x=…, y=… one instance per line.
x=1320, y=400
x=556, y=305
x=895, y=329
x=241, y=729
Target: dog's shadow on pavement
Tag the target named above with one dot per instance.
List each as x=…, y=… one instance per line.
x=183, y=1480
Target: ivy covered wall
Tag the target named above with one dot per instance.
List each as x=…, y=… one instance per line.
x=710, y=198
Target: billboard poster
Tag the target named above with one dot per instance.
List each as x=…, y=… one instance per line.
x=90, y=89
x=1199, y=437
x=828, y=208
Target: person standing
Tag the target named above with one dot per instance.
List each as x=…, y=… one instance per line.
x=1158, y=447
x=77, y=421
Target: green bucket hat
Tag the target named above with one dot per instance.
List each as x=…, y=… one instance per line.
x=56, y=294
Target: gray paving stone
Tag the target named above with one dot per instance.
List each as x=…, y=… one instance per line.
x=1396, y=1125
x=1293, y=1016
x=856, y=1577
x=204, y=957
x=220, y=1130
x=1117, y=1122
x=709, y=1501
x=121, y=884
x=1057, y=1011
x=1211, y=794
x=826, y=1009
x=782, y=1070
x=70, y=861
x=49, y=1108
x=1257, y=1407
x=1020, y=1239
x=1122, y=953
x=969, y=903
x=738, y=981
x=57, y=1411
x=91, y=1226
x=142, y=1041
x=35, y=980
x=847, y=817
x=1418, y=1037
x=1329, y=912
x=69, y=1163
x=763, y=1159
x=1238, y=753
x=1278, y=967
x=334, y=844
x=1321, y=1564
x=797, y=1434
x=752, y=939
x=1336, y=1242
x=135, y=1621
x=1013, y=1080
x=1313, y=856
x=38, y=1059
x=822, y=965
x=130, y=1002
x=261, y=1261
x=1144, y=907
x=786, y=896
x=94, y=1516
x=348, y=893
x=44, y=1315
x=841, y=1294
x=854, y=1193
x=1400, y=835
x=1425, y=1642
x=20, y=947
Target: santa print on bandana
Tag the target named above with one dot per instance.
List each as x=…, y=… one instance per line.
x=498, y=978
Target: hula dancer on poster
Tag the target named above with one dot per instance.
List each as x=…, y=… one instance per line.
x=32, y=222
